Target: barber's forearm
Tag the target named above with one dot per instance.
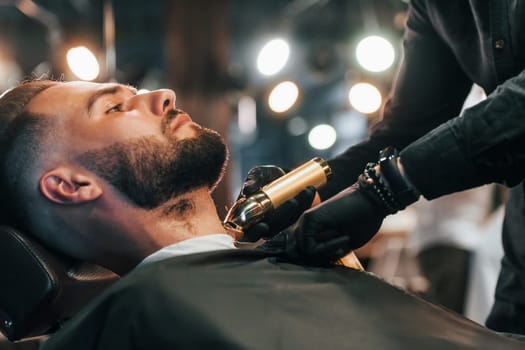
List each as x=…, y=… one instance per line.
x=486, y=145
x=493, y=133
x=436, y=165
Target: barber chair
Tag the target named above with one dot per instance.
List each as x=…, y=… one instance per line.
x=41, y=289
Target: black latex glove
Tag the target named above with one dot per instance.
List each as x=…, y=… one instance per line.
x=332, y=229
x=280, y=218
x=351, y=218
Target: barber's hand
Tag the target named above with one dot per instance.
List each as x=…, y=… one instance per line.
x=332, y=229
x=280, y=218
x=351, y=218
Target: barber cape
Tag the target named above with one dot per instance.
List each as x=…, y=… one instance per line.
x=245, y=299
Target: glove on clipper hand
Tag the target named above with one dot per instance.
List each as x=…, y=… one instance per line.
x=283, y=216
x=335, y=227
x=351, y=218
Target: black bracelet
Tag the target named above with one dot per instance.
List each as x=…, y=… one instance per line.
x=405, y=193
x=371, y=182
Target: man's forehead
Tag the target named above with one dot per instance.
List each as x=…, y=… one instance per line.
x=81, y=87
x=67, y=94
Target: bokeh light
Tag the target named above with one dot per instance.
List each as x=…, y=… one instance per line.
x=322, y=136
x=273, y=57
x=247, y=115
x=375, y=53
x=283, y=96
x=83, y=63
x=297, y=126
x=365, y=98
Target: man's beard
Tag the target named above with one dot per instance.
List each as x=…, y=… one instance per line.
x=149, y=172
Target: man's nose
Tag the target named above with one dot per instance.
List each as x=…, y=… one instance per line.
x=160, y=101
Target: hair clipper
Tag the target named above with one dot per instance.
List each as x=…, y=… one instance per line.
x=247, y=211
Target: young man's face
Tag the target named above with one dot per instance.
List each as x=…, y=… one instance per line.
x=140, y=144
x=96, y=115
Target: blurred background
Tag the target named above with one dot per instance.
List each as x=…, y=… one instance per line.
x=276, y=78
x=282, y=81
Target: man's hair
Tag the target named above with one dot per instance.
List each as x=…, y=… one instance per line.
x=21, y=137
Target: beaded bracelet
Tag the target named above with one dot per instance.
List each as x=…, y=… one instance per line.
x=389, y=186
x=405, y=193
x=371, y=181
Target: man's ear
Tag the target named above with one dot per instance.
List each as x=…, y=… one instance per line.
x=66, y=185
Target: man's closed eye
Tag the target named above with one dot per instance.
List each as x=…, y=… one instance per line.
x=116, y=108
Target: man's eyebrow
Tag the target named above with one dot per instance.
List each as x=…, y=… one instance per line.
x=110, y=90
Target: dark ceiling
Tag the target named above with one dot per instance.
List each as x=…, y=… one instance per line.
x=313, y=25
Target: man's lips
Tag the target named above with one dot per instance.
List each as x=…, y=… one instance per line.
x=180, y=120
x=177, y=118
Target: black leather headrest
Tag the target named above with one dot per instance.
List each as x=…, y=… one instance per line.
x=40, y=289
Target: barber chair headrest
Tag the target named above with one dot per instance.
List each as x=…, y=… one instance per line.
x=39, y=289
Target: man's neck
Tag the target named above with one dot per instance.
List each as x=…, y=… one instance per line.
x=142, y=232
x=188, y=216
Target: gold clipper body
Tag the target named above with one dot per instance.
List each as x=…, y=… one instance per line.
x=251, y=210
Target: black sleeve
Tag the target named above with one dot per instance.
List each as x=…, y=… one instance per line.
x=429, y=89
x=486, y=144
